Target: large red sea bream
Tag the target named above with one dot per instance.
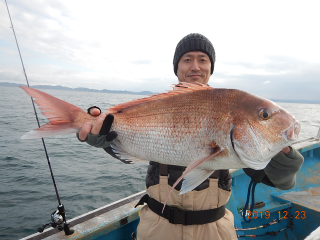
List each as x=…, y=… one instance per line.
x=193, y=125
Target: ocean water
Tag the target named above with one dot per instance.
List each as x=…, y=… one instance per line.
x=87, y=178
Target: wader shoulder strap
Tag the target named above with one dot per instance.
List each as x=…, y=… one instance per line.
x=176, y=215
x=215, y=174
x=163, y=169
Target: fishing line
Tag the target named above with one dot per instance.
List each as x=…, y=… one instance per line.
x=34, y=108
x=60, y=210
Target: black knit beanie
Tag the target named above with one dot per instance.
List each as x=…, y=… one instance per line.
x=194, y=42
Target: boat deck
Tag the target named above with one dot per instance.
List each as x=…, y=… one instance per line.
x=309, y=198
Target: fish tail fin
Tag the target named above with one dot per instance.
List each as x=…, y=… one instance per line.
x=61, y=115
x=48, y=130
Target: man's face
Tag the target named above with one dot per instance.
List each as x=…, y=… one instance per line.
x=194, y=67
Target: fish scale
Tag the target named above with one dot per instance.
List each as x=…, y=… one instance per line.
x=167, y=128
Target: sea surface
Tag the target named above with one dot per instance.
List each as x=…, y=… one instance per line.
x=87, y=178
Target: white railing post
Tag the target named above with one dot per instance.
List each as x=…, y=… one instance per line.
x=318, y=135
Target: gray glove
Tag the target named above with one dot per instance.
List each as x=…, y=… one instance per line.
x=104, y=138
x=282, y=169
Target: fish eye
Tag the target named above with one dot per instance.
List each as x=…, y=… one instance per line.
x=264, y=114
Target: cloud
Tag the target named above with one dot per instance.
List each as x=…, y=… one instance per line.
x=11, y=76
x=268, y=64
x=298, y=82
x=138, y=62
x=76, y=44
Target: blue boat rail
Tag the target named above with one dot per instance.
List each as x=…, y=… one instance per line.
x=281, y=214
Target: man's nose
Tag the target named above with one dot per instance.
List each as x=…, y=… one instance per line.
x=195, y=66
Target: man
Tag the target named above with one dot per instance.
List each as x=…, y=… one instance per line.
x=193, y=61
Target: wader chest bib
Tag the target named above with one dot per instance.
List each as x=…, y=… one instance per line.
x=152, y=226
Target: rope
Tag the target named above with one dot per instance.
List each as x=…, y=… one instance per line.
x=272, y=233
x=251, y=188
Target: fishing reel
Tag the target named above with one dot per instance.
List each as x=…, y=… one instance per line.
x=58, y=220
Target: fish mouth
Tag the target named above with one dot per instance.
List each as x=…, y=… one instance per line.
x=292, y=132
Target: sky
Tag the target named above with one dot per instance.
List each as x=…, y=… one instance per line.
x=269, y=48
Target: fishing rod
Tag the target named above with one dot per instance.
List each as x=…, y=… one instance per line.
x=58, y=217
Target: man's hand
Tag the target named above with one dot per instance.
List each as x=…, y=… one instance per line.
x=98, y=134
x=94, y=111
x=94, y=129
x=286, y=150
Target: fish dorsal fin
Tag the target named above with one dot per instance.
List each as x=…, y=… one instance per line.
x=178, y=89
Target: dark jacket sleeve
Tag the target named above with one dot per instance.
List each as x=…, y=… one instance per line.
x=282, y=169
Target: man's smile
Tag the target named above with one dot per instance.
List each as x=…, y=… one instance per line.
x=194, y=75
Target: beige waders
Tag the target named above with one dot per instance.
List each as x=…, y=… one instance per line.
x=154, y=227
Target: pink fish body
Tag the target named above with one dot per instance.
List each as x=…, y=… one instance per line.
x=193, y=125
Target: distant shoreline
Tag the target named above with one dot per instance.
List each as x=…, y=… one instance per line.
x=7, y=84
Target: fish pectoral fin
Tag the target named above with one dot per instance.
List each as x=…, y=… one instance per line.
x=191, y=167
x=116, y=151
x=194, y=179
